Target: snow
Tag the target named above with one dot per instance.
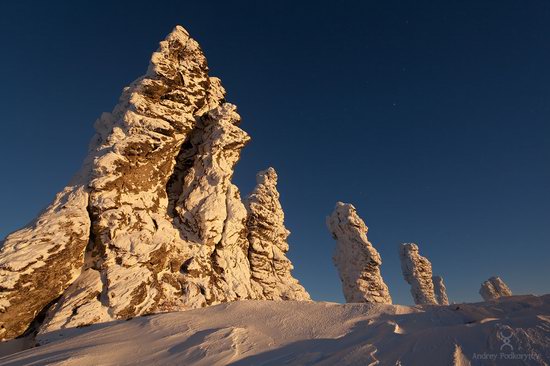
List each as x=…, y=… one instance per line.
x=255, y=332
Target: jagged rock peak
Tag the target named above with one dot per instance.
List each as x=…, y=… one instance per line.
x=417, y=271
x=152, y=221
x=267, y=235
x=440, y=290
x=494, y=288
x=357, y=261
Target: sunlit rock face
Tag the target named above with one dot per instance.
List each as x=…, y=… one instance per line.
x=417, y=271
x=494, y=288
x=152, y=221
x=267, y=235
x=39, y=262
x=440, y=290
x=357, y=261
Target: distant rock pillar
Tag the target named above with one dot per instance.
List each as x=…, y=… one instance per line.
x=417, y=271
x=493, y=289
x=357, y=261
x=440, y=290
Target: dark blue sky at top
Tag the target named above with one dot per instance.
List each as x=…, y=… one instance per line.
x=432, y=118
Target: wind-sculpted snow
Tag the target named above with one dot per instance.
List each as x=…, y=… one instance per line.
x=151, y=222
x=509, y=331
x=417, y=271
x=268, y=242
x=357, y=261
x=494, y=288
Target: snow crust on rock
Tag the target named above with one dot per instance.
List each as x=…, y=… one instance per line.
x=151, y=222
x=357, y=261
x=267, y=235
x=417, y=271
x=307, y=333
x=39, y=262
x=440, y=290
x=494, y=288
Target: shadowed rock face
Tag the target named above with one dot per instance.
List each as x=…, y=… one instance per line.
x=417, y=271
x=152, y=221
x=267, y=234
x=440, y=290
x=494, y=288
x=357, y=261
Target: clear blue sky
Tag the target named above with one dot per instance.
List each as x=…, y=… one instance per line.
x=433, y=119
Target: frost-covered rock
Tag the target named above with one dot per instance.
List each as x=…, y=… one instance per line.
x=267, y=234
x=152, y=221
x=417, y=271
x=39, y=262
x=440, y=290
x=494, y=288
x=357, y=261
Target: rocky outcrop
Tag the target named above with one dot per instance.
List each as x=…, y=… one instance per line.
x=417, y=271
x=267, y=235
x=494, y=288
x=440, y=290
x=39, y=262
x=357, y=261
x=152, y=221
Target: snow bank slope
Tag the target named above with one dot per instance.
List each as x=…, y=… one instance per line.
x=306, y=333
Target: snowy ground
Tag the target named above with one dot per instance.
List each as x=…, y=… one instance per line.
x=512, y=331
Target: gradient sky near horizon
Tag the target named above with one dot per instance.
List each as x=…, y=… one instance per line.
x=432, y=118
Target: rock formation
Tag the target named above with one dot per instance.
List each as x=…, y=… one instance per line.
x=440, y=290
x=494, y=288
x=417, y=271
x=357, y=261
x=152, y=221
x=267, y=235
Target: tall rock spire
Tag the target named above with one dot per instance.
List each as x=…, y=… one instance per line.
x=357, y=261
x=270, y=268
x=417, y=271
x=152, y=221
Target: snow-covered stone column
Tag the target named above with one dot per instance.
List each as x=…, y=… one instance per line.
x=440, y=290
x=417, y=271
x=357, y=261
x=267, y=235
x=494, y=288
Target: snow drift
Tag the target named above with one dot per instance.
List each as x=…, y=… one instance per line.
x=510, y=331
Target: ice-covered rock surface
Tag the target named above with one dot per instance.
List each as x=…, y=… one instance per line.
x=440, y=290
x=509, y=331
x=494, y=288
x=417, y=271
x=357, y=261
x=267, y=235
x=152, y=222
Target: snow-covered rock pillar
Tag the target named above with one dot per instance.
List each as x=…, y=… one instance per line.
x=417, y=271
x=267, y=235
x=357, y=261
x=494, y=288
x=440, y=290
